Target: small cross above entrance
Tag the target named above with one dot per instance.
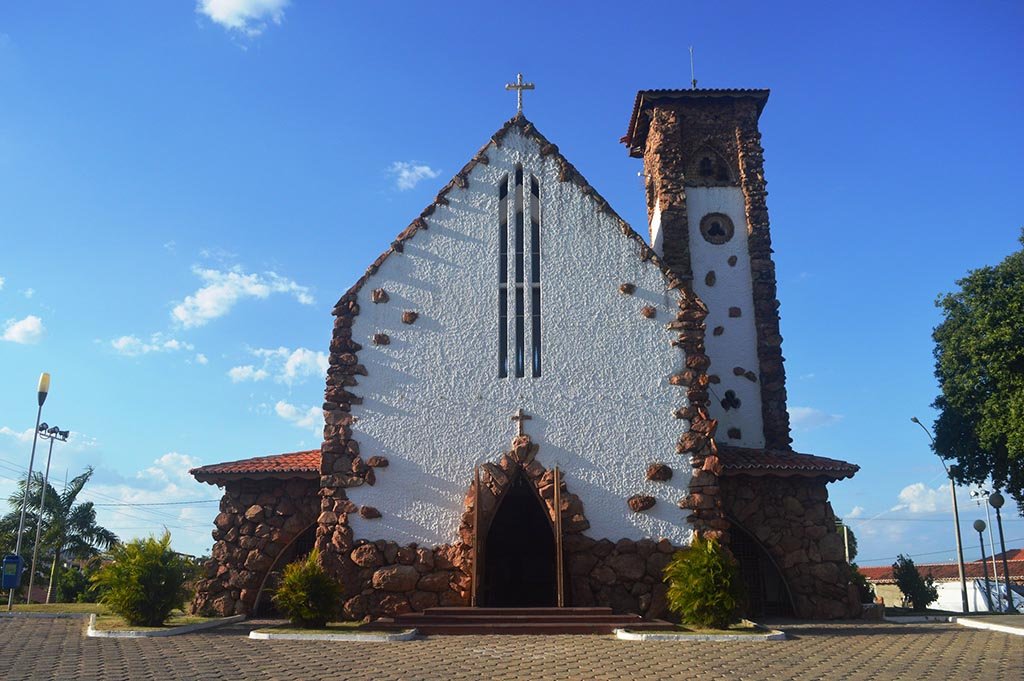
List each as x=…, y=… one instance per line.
x=519, y=417
x=519, y=86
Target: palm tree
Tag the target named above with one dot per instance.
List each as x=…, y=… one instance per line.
x=69, y=528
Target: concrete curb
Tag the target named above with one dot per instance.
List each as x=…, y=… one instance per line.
x=626, y=635
x=991, y=626
x=93, y=632
x=368, y=637
x=919, y=619
x=48, y=615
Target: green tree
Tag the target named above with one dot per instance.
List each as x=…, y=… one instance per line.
x=69, y=529
x=979, y=363
x=920, y=591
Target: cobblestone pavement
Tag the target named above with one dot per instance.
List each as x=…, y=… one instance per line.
x=57, y=649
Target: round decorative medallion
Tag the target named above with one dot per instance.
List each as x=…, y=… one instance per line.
x=716, y=228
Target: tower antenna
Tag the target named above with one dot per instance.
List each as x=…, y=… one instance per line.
x=693, y=74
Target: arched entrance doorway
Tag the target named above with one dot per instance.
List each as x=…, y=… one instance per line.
x=519, y=562
x=767, y=592
x=298, y=548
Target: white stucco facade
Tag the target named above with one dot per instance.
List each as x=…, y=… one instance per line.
x=733, y=287
x=433, y=402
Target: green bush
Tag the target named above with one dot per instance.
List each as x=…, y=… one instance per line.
x=307, y=595
x=144, y=581
x=864, y=588
x=704, y=586
x=920, y=591
x=73, y=586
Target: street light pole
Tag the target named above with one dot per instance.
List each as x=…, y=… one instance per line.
x=996, y=499
x=53, y=433
x=43, y=389
x=956, y=519
x=979, y=526
x=991, y=540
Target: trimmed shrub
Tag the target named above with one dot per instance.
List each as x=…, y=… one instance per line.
x=919, y=591
x=704, y=586
x=307, y=595
x=143, y=582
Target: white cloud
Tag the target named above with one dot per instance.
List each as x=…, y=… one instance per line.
x=201, y=358
x=408, y=174
x=857, y=512
x=171, y=246
x=918, y=498
x=2, y=283
x=23, y=436
x=303, y=417
x=246, y=373
x=809, y=418
x=28, y=292
x=285, y=365
x=248, y=17
x=25, y=331
x=133, y=346
x=223, y=288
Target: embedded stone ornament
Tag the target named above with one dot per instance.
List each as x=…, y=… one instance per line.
x=718, y=331
x=648, y=311
x=627, y=288
x=409, y=317
x=368, y=512
x=750, y=376
x=714, y=378
x=379, y=295
x=709, y=278
x=640, y=502
x=732, y=261
x=659, y=472
x=738, y=371
x=735, y=312
x=381, y=339
x=717, y=228
x=735, y=433
x=377, y=462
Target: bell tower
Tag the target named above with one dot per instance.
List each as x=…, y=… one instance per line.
x=704, y=170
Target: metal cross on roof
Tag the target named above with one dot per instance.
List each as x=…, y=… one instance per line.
x=519, y=417
x=519, y=86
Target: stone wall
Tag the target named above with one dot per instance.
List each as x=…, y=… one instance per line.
x=790, y=517
x=258, y=521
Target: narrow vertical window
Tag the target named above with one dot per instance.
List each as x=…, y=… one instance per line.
x=503, y=278
x=520, y=348
x=535, y=273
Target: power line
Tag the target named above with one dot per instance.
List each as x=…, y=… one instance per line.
x=161, y=503
x=930, y=553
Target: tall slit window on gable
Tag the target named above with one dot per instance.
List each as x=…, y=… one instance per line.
x=535, y=272
x=520, y=352
x=523, y=289
x=503, y=278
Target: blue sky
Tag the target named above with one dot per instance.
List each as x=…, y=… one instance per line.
x=186, y=189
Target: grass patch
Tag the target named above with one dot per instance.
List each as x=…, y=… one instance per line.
x=743, y=628
x=331, y=628
x=111, y=622
x=59, y=608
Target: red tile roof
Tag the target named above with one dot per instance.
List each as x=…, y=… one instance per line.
x=292, y=465
x=745, y=461
x=944, y=572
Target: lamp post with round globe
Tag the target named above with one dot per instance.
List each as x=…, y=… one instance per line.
x=979, y=527
x=997, y=501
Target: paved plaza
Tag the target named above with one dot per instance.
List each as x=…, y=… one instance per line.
x=57, y=649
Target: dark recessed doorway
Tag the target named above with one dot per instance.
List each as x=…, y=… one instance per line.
x=519, y=552
x=767, y=593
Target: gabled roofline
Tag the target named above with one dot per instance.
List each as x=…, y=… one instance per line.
x=567, y=173
x=636, y=135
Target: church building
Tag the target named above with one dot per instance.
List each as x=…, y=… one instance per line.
x=530, y=404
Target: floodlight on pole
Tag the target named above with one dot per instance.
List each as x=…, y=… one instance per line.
x=978, y=494
x=41, y=392
x=956, y=519
x=52, y=434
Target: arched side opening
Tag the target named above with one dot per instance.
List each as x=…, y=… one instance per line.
x=767, y=592
x=518, y=551
x=299, y=547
